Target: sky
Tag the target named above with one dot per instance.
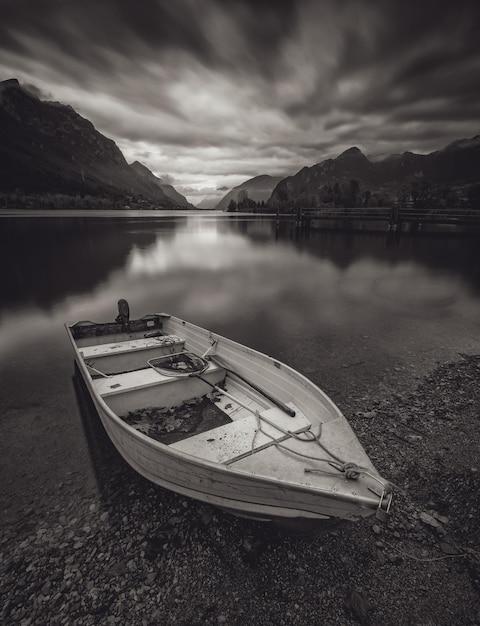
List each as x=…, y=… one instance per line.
x=210, y=93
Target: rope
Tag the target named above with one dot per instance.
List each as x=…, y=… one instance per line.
x=351, y=470
x=167, y=342
x=424, y=560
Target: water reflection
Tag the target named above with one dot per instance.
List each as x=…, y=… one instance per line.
x=450, y=254
x=199, y=244
x=228, y=271
x=414, y=288
x=50, y=258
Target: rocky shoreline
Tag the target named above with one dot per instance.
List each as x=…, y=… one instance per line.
x=136, y=554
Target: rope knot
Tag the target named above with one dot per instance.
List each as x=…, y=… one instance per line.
x=351, y=470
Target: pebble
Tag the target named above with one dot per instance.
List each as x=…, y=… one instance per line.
x=381, y=557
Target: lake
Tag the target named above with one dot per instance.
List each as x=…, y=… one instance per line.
x=362, y=314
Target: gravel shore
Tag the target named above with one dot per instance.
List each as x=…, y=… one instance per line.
x=137, y=554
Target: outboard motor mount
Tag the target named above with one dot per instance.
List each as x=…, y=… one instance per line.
x=123, y=316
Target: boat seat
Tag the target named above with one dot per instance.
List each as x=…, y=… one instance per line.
x=229, y=443
x=119, y=383
x=133, y=345
x=148, y=388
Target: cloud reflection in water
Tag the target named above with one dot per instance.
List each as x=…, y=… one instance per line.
x=199, y=245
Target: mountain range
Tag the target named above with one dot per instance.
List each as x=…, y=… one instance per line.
x=48, y=148
x=457, y=166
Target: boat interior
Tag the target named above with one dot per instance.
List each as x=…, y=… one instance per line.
x=194, y=403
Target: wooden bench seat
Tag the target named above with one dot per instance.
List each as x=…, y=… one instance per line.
x=119, y=383
x=147, y=388
x=133, y=345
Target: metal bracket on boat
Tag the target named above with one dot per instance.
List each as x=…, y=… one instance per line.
x=123, y=316
x=383, y=508
x=206, y=354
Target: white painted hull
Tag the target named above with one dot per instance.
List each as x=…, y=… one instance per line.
x=269, y=484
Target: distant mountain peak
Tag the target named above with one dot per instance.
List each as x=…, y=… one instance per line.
x=13, y=85
x=257, y=189
x=259, y=178
x=351, y=152
x=139, y=165
x=169, y=190
x=471, y=142
x=10, y=82
x=11, y=88
x=143, y=170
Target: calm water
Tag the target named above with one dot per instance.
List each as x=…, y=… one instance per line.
x=361, y=315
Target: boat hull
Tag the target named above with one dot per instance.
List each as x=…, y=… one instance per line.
x=235, y=487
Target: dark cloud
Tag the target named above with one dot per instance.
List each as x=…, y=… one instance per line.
x=209, y=89
x=91, y=30
x=399, y=55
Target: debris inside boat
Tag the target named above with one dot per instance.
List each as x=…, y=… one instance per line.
x=169, y=425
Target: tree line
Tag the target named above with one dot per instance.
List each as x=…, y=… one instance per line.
x=44, y=201
x=419, y=193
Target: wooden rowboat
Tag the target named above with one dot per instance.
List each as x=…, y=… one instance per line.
x=214, y=420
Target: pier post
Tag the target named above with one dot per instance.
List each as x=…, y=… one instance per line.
x=394, y=220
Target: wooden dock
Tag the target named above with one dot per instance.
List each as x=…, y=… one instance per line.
x=388, y=218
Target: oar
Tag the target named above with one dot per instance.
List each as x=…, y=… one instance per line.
x=242, y=404
x=310, y=436
x=281, y=405
x=97, y=371
x=222, y=391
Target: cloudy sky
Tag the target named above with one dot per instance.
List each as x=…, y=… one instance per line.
x=213, y=92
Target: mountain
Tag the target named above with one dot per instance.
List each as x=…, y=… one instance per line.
x=352, y=174
x=258, y=189
x=46, y=147
x=207, y=203
x=169, y=190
